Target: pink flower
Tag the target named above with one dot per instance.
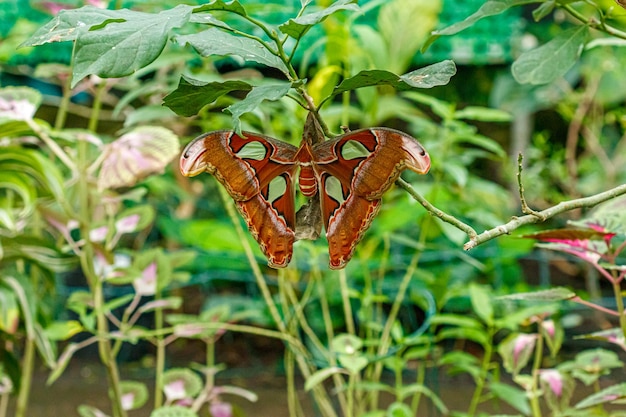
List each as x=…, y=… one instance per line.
x=220, y=409
x=554, y=379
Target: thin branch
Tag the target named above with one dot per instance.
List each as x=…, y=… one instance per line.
x=525, y=207
x=548, y=213
x=434, y=211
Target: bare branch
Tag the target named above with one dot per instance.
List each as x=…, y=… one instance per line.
x=562, y=207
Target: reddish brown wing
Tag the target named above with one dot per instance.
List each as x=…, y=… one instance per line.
x=257, y=171
x=354, y=171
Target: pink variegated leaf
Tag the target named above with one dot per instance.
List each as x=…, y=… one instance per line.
x=18, y=103
x=135, y=155
x=181, y=383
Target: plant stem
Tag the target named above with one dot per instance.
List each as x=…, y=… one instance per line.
x=95, y=283
x=619, y=301
x=160, y=354
x=345, y=298
x=28, y=361
x=534, y=399
x=484, y=370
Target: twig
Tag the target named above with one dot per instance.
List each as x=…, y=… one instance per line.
x=525, y=208
x=434, y=211
x=562, y=207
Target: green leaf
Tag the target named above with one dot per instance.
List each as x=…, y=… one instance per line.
x=173, y=411
x=483, y=114
x=352, y=363
x=481, y=303
x=89, y=411
x=69, y=24
x=9, y=311
x=214, y=41
x=192, y=95
x=489, y=8
x=221, y=5
x=553, y=294
x=456, y=320
x=120, y=48
x=515, y=397
x=320, y=376
x=298, y=27
x=346, y=344
x=478, y=336
x=254, y=98
x=191, y=383
x=135, y=390
x=604, y=396
x=63, y=330
x=543, y=10
x=399, y=409
x=426, y=77
x=551, y=60
x=411, y=389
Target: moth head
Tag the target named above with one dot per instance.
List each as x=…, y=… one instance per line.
x=417, y=159
x=192, y=160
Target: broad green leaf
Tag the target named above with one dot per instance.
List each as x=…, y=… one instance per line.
x=607, y=395
x=481, y=303
x=478, y=336
x=346, y=344
x=192, y=95
x=214, y=41
x=120, y=48
x=553, y=294
x=515, y=397
x=69, y=24
x=551, y=60
x=426, y=77
x=254, y=98
x=298, y=27
x=352, y=363
x=135, y=394
x=320, y=376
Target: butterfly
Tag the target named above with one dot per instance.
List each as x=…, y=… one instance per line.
x=344, y=178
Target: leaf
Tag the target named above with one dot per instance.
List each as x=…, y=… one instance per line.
x=489, y=8
x=565, y=235
x=143, y=151
x=515, y=397
x=192, y=95
x=63, y=330
x=427, y=77
x=543, y=10
x=481, y=303
x=180, y=383
x=173, y=411
x=604, y=396
x=298, y=27
x=552, y=294
x=398, y=409
x=346, y=344
x=254, y=98
x=134, y=394
x=69, y=24
x=119, y=48
x=214, y=41
x=483, y=114
x=455, y=320
x=320, y=376
x=217, y=5
x=551, y=60
x=18, y=103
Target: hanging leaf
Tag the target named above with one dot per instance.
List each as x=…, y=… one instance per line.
x=214, y=41
x=427, y=77
x=254, y=98
x=551, y=60
x=192, y=95
x=298, y=27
